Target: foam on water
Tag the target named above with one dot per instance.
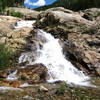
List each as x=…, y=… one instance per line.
x=24, y=23
x=25, y=85
x=59, y=69
x=12, y=76
x=4, y=88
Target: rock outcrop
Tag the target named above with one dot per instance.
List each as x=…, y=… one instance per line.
x=14, y=38
x=32, y=74
x=91, y=14
x=80, y=36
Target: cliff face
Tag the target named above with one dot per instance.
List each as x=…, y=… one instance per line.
x=79, y=33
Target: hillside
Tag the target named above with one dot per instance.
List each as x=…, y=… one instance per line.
x=73, y=4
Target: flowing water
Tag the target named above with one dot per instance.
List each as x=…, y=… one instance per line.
x=24, y=23
x=59, y=68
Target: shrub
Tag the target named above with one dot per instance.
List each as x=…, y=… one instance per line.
x=14, y=13
x=6, y=56
x=9, y=3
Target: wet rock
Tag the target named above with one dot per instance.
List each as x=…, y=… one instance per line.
x=33, y=74
x=43, y=89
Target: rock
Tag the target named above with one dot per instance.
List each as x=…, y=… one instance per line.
x=43, y=89
x=3, y=40
x=14, y=38
x=3, y=74
x=7, y=83
x=54, y=21
x=4, y=83
x=33, y=74
x=98, y=69
x=27, y=13
x=79, y=35
x=28, y=97
x=15, y=84
x=91, y=14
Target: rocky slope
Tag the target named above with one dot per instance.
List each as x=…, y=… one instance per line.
x=80, y=35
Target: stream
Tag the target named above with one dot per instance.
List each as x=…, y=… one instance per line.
x=49, y=52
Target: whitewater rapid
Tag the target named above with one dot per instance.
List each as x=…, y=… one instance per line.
x=51, y=55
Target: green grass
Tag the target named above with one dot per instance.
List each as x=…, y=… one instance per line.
x=61, y=90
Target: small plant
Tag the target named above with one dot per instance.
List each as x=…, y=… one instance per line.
x=6, y=56
x=14, y=13
x=61, y=90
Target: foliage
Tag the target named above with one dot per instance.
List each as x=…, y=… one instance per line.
x=14, y=13
x=61, y=90
x=73, y=4
x=8, y=3
x=6, y=57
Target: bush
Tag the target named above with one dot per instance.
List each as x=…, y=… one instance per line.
x=14, y=13
x=10, y=3
x=6, y=56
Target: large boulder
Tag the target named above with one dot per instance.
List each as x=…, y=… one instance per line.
x=80, y=36
x=60, y=18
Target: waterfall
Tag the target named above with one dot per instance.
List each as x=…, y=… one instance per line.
x=59, y=68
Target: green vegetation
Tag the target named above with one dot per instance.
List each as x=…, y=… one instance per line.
x=76, y=93
x=8, y=3
x=14, y=13
x=73, y=4
x=6, y=57
x=61, y=90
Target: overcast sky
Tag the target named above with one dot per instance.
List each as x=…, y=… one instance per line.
x=37, y=3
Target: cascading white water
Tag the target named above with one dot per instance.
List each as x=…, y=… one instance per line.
x=52, y=57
